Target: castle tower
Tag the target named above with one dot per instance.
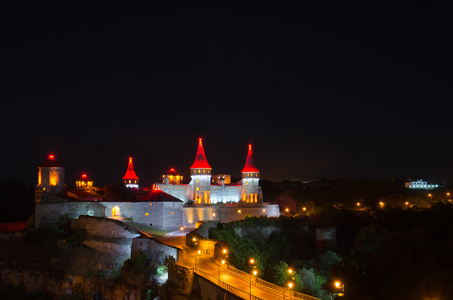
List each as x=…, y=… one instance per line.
x=84, y=183
x=172, y=177
x=130, y=179
x=50, y=178
x=250, y=179
x=200, y=172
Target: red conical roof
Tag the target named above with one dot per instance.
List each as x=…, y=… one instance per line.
x=200, y=159
x=249, y=163
x=130, y=173
x=51, y=162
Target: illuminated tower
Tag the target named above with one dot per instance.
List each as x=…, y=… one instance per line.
x=84, y=183
x=172, y=177
x=250, y=179
x=200, y=172
x=130, y=179
x=50, y=178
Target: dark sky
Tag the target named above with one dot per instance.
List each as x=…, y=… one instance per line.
x=321, y=89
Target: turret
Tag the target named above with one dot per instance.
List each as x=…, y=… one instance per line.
x=50, y=178
x=84, y=183
x=172, y=177
x=130, y=179
x=250, y=179
x=201, y=172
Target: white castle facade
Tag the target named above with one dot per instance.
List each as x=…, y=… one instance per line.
x=205, y=188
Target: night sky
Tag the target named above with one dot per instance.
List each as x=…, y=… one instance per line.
x=321, y=89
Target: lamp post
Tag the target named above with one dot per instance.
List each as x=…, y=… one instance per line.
x=220, y=266
x=448, y=196
x=290, y=286
x=253, y=273
x=196, y=257
x=340, y=287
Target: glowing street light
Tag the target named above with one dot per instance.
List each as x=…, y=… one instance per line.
x=339, y=286
x=254, y=273
x=196, y=257
x=430, y=196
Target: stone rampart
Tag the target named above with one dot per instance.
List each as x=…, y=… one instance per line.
x=228, y=213
x=153, y=249
x=106, y=235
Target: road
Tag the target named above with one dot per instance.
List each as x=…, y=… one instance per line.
x=206, y=264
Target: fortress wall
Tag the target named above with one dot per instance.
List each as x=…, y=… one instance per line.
x=172, y=215
x=126, y=209
x=106, y=235
x=153, y=249
x=227, y=214
x=49, y=214
x=162, y=215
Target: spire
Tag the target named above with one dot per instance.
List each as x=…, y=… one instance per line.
x=51, y=162
x=249, y=163
x=130, y=173
x=200, y=159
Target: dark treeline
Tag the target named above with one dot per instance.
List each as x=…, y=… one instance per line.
x=388, y=253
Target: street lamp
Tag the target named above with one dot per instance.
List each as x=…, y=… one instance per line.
x=253, y=273
x=430, y=196
x=290, y=286
x=448, y=196
x=196, y=257
x=339, y=286
x=220, y=266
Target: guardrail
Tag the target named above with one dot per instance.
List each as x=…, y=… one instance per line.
x=265, y=285
x=257, y=282
x=226, y=286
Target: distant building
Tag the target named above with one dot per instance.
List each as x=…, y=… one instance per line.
x=421, y=185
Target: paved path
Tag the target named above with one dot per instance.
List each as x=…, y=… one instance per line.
x=206, y=263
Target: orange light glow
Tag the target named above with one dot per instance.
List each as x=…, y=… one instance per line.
x=51, y=156
x=84, y=175
x=337, y=284
x=290, y=285
x=255, y=272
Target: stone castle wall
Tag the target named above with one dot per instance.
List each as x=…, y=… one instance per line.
x=106, y=235
x=228, y=213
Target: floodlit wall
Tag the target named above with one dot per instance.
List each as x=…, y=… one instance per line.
x=106, y=235
x=153, y=249
x=228, y=213
x=162, y=215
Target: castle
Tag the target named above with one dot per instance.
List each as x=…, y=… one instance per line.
x=205, y=188
x=168, y=205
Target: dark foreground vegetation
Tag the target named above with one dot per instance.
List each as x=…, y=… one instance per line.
x=382, y=253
